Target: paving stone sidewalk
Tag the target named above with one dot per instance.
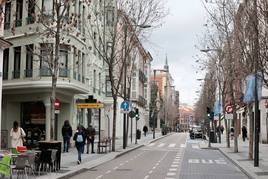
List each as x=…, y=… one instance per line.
x=241, y=160
x=70, y=167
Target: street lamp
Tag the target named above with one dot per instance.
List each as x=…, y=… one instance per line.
x=125, y=26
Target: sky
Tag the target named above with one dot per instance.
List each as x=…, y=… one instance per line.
x=177, y=38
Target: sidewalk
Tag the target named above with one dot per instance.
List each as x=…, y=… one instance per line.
x=69, y=166
x=241, y=160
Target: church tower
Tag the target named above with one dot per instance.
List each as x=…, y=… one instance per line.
x=166, y=67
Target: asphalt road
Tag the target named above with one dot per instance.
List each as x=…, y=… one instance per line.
x=171, y=157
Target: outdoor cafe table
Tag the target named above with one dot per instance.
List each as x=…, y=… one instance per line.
x=45, y=145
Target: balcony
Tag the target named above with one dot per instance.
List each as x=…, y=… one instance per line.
x=28, y=73
x=64, y=72
x=16, y=74
x=45, y=72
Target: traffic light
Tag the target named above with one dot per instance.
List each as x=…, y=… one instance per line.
x=208, y=112
x=137, y=113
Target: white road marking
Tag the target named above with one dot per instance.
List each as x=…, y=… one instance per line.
x=161, y=145
x=176, y=162
x=99, y=176
x=109, y=171
x=121, y=164
x=115, y=168
x=171, y=174
x=152, y=144
x=177, y=159
x=150, y=172
x=174, y=165
x=171, y=145
x=127, y=161
x=147, y=176
x=195, y=146
x=183, y=145
x=207, y=161
x=154, y=168
x=173, y=169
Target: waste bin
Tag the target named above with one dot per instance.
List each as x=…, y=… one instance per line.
x=138, y=134
x=212, y=137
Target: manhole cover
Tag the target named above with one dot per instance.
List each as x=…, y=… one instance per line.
x=243, y=159
x=123, y=169
x=261, y=173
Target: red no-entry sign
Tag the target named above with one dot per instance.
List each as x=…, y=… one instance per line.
x=228, y=109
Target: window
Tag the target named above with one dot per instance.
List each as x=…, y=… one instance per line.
x=79, y=16
x=94, y=81
x=83, y=68
x=75, y=63
x=7, y=15
x=47, y=7
x=63, y=61
x=19, y=6
x=29, y=61
x=99, y=83
x=108, y=87
x=5, y=64
x=17, y=59
x=31, y=12
x=46, y=52
x=109, y=16
x=83, y=20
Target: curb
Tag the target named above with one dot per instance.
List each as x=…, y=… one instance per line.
x=237, y=165
x=116, y=156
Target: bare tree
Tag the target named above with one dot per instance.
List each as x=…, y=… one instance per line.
x=114, y=31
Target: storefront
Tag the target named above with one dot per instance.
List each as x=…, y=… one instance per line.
x=33, y=119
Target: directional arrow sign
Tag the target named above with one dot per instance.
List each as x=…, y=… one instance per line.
x=125, y=106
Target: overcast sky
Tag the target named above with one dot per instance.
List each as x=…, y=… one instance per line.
x=177, y=38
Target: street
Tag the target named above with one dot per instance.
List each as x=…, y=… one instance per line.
x=171, y=157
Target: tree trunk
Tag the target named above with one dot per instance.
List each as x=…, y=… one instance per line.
x=227, y=132
x=114, y=122
x=251, y=131
x=52, y=99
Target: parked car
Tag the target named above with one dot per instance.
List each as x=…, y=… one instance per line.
x=196, y=132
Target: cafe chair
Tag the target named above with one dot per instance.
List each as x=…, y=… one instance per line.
x=21, y=166
x=47, y=160
x=30, y=165
x=5, y=169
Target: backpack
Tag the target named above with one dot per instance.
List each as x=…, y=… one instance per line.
x=79, y=138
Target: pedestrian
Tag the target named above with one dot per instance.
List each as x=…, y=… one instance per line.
x=222, y=129
x=91, y=137
x=232, y=133
x=84, y=131
x=244, y=133
x=67, y=133
x=79, y=138
x=17, y=135
x=145, y=130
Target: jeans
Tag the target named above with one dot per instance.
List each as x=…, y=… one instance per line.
x=79, y=147
x=66, y=143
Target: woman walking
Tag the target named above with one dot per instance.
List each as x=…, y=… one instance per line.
x=67, y=133
x=17, y=135
x=79, y=138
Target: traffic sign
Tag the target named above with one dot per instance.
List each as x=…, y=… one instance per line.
x=229, y=116
x=266, y=103
x=125, y=105
x=229, y=109
x=90, y=105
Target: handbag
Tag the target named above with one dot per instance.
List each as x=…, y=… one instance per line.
x=22, y=138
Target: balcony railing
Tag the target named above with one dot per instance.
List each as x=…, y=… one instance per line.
x=63, y=72
x=5, y=75
x=30, y=20
x=28, y=73
x=16, y=74
x=45, y=72
x=18, y=22
x=7, y=25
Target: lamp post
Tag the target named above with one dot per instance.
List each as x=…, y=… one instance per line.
x=125, y=28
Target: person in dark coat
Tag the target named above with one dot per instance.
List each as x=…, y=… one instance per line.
x=67, y=133
x=145, y=130
x=80, y=139
x=244, y=133
x=90, y=134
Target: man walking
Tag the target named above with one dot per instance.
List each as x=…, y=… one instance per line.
x=90, y=133
x=244, y=133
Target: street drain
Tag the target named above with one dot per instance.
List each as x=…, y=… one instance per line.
x=261, y=173
x=123, y=169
